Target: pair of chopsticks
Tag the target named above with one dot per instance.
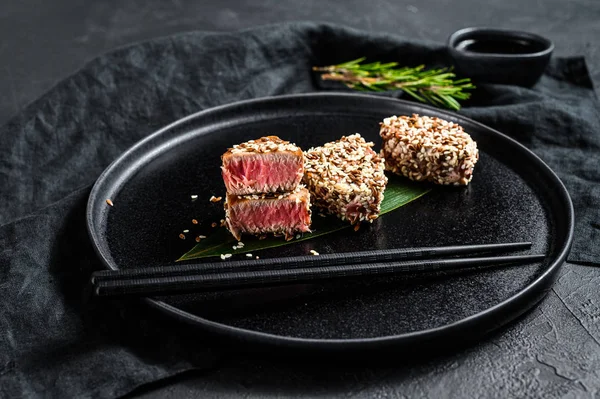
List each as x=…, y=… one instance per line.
x=251, y=273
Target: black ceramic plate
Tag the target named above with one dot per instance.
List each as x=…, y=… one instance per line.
x=513, y=196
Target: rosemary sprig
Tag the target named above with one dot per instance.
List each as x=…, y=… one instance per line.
x=434, y=86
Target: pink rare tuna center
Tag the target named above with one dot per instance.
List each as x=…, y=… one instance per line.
x=271, y=172
x=270, y=215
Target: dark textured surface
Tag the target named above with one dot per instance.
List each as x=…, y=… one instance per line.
x=552, y=352
x=46, y=41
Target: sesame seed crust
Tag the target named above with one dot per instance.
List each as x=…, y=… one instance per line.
x=346, y=178
x=232, y=197
x=263, y=145
x=431, y=149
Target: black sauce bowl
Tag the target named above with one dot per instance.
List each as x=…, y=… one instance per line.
x=488, y=55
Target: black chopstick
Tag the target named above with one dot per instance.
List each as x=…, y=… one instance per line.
x=306, y=261
x=203, y=282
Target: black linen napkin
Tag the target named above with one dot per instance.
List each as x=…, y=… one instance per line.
x=52, y=344
x=558, y=120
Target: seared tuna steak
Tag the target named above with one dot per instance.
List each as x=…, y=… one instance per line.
x=431, y=149
x=266, y=165
x=346, y=178
x=281, y=214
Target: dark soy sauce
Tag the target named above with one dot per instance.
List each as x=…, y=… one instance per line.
x=500, y=46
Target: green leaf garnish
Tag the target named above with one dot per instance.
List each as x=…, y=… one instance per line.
x=398, y=192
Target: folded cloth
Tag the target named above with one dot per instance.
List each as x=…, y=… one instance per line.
x=52, y=342
x=558, y=120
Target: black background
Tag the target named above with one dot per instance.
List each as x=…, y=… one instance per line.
x=44, y=41
x=553, y=351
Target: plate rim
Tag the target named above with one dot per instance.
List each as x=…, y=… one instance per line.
x=547, y=277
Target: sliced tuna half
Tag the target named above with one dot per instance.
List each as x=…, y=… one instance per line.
x=282, y=215
x=266, y=165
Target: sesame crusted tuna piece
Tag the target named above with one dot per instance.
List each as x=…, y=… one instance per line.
x=266, y=165
x=258, y=214
x=431, y=149
x=346, y=178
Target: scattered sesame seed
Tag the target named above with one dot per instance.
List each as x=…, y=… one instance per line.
x=257, y=257
x=240, y=244
x=109, y=202
x=298, y=236
x=202, y=236
x=194, y=221
x=235, y=247
x=249, y=255
x=226, y=256
x=215, y=199
x=198, y=239
x=312, y=251
x=186, y=231
x=182, y=236
x=214, y=224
